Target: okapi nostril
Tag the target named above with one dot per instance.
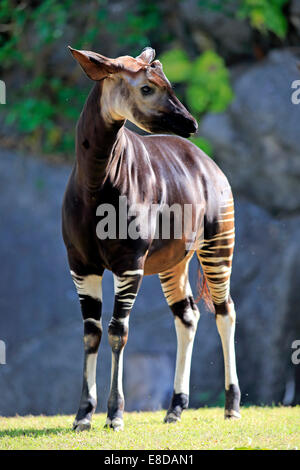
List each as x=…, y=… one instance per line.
x=194, y=126
x=86, y=144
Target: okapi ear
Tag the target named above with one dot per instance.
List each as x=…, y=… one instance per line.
x=147, y=55
x=96, y=66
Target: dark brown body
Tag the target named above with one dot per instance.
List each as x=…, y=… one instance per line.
x=159, y=169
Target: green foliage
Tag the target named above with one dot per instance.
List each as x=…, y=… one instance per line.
x=177, y=65
x=203, y=144
x=46, y=103
x=135, y=31
x=264, y=15
x=207, y=85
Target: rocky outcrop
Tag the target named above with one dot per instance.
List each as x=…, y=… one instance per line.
x=41, y=324
x=220, y=29
x=295, y=14
x=256, y=142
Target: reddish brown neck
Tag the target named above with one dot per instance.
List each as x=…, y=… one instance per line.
x=95, y=142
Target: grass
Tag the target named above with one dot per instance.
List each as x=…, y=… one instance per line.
x=259, y=428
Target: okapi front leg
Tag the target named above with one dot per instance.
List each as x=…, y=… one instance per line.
x=126, y=289
x=89, y=289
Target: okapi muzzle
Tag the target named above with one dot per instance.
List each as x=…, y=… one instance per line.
x=153, y=171
x=177, y=119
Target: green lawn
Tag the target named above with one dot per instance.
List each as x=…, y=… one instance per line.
x=260, y=427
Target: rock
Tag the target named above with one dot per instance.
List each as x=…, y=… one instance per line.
x=295, y=14
x=266, y=272
x=41, y=323
x=232, y=36
x=256, y=141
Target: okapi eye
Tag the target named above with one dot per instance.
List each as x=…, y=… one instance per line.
x=146, y=90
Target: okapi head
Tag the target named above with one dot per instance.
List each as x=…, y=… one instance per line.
x=138, y=90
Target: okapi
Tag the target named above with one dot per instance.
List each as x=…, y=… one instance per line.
x=112, y=161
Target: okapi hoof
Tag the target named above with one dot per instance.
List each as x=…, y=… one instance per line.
x=117, y=424
x=232, y=402
x=172, y=418
x=179, y=402
x=232, y=414
x=82, y=425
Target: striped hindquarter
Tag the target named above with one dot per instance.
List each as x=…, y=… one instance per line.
x=176, y=287
x=215, y=257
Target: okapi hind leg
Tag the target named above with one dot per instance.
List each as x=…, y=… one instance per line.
x=226, y=327
x=215, y=257
x=177, y=290
x=89, y=289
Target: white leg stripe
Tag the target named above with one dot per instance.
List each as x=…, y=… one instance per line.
x=122, y=286
x=185, y=341
x=91, y=366
x=118, y=372
x=123, y=321
x=135, y=272
x=90, y=285
x=175, y=282
x=226, y=329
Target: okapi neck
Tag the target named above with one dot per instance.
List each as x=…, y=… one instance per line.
x=96, y=142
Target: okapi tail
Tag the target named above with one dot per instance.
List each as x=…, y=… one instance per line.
x=203, y=290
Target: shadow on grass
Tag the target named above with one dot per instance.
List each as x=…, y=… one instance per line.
x=34, y=432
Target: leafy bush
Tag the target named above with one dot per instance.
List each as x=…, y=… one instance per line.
x=48, y=93
x=203, y=144
x=206, y=83
x=264, y=15
x=46, y=102
x=206, y=79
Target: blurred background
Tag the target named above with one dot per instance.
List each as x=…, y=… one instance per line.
x=233, y=64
